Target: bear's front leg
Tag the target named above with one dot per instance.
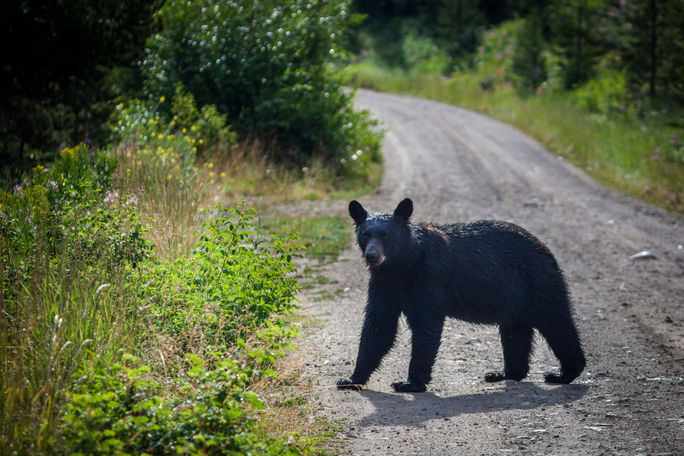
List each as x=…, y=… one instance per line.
x=426, y=334
x=377, y=336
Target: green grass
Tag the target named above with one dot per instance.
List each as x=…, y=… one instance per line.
x=641, y=155
x=323, y=237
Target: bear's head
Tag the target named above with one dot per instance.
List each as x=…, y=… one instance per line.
x=380, y=236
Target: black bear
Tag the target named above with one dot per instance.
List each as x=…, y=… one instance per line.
x=486, y=272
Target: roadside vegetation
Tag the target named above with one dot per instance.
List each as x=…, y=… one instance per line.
x=598, y=83
x=144, y=308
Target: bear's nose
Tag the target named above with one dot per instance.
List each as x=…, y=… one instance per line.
x=372, y=255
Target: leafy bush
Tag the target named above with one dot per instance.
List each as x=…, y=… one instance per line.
x=234, y=281
x=59, y=212
x=189, y=131
x=422, y=55
x=121, y=409
x=604, y=94
x=265, y=64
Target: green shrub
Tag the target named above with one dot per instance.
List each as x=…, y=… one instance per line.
x=423, y=56
x=122, y=409
x=265, y=64
x=190, y=132
x=59, y=212
x=234, y=281
x=604, y=94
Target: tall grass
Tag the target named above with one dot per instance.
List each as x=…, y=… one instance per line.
x=67, y=268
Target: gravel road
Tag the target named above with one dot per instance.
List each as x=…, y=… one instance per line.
x=457, y=165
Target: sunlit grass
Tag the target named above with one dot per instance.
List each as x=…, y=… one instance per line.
x=323, y=237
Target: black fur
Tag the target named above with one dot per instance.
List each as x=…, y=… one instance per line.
x=487, y=272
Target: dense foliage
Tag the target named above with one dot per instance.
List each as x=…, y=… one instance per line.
x=118, y=408
x=62, y=63
x=262, y=69
x=642, y=39
x=265, y=64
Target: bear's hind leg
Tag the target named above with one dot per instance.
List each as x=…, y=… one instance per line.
x=565, y=344
x=516, y=340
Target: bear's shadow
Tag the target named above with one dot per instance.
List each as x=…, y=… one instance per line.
x=414, y=409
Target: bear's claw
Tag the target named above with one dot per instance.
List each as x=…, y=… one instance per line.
x=347, y=383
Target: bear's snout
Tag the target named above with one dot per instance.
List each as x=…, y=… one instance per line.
x=374, y=255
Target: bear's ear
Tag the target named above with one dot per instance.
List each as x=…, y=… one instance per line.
x=357, y=212
x=404, y=209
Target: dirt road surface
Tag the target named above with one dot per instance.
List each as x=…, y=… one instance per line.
x=460, y=166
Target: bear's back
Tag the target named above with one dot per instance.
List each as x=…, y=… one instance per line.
x=496, y=264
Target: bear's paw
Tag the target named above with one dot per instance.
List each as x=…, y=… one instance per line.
x=408, y=387
x=562, y=378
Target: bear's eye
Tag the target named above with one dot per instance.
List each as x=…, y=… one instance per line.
x=384, y=235
x=364, y=235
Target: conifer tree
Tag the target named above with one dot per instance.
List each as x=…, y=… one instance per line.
x=459, y=22
x=673, y=48
x=575, y=32
x=529, y=63
x=653, y=50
